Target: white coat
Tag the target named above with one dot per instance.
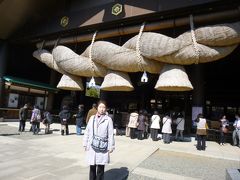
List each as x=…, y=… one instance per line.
x=133, y=120
x=103, y=127
x=155, y=119
x=167, y=122
x=180, y=123
x=202, y=123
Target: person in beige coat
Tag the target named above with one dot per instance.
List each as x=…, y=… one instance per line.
x=91, y=112
x=100, y=125
x=201, y=132
x=133, y=124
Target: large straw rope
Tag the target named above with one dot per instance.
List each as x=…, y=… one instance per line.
x=72, y=63
x=138, y=51
x=69, y=81
x=153, y=46
x=90, y=52
x=204, y=44
x=195, y=45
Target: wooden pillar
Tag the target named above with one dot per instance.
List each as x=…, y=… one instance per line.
x=198, y=94
x=50, y=99
x=198, y=84
x=103, y=95
x=3, y=66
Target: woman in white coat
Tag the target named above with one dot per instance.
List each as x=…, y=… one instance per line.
x=100, y=125
x=166, y=128
x=201, y=132
x=180, y=126
x=155, y=125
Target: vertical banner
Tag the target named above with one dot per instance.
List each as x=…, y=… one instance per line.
x=40, y=102
x=13, y=100
x=195, y=111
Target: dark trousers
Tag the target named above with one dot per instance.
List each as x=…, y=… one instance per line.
x=201, y=142
x=96, y=172
x=140, y=134
x=222, y=137
x=35, y=127
x=22, y=125
x=166, y=138
x=132, y=133
x=38, y=126
x=154, y=134
x=65, y=129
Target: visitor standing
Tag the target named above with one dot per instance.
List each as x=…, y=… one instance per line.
x=35, y=119
x=91, y=112
x=223, y=129
x=23, y=114
x=79, y=119
x=64, y=116
x=98, y=142
x=141, y=125
x=236, y=132
x=47, y=121
x=166, y=128
x=133, y=123
x=180, y=121
x=201, y=132
x=155, y=126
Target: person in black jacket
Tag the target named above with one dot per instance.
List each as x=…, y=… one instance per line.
x=64, y=116
x=79, y=119
x=23, y=114
x=47, y=121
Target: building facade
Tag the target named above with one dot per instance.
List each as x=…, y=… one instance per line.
x=73, y=23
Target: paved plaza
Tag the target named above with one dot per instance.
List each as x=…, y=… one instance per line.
x=56, y=157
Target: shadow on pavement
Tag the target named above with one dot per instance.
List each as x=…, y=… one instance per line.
x=116, y=174
x=72, y=134
x=185, y=139
x=13, y=134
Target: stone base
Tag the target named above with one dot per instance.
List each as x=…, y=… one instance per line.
x=233, y=174
x=8, y=120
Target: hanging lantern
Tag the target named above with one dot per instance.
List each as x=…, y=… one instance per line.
x=144, y=77
x=92, y=83
x=173, y=78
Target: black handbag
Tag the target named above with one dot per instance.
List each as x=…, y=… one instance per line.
x=99, y=144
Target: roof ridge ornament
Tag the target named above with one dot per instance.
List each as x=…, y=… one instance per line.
x=117, y=9
x=64, y=21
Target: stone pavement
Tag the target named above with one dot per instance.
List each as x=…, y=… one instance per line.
x=54, y=157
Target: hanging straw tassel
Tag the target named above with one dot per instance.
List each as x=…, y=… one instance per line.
x=70, y=83
x=116, y=81
x=173, y=78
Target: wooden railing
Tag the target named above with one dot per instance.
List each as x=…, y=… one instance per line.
x=9, y=113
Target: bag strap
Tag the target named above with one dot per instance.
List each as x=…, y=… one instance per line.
x=93, y=127
x=165, y=121
x=179, y=121
x=154, y=118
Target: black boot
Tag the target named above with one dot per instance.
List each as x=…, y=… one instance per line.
x=62, y=132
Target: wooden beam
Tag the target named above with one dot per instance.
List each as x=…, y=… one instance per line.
x=154, y=26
